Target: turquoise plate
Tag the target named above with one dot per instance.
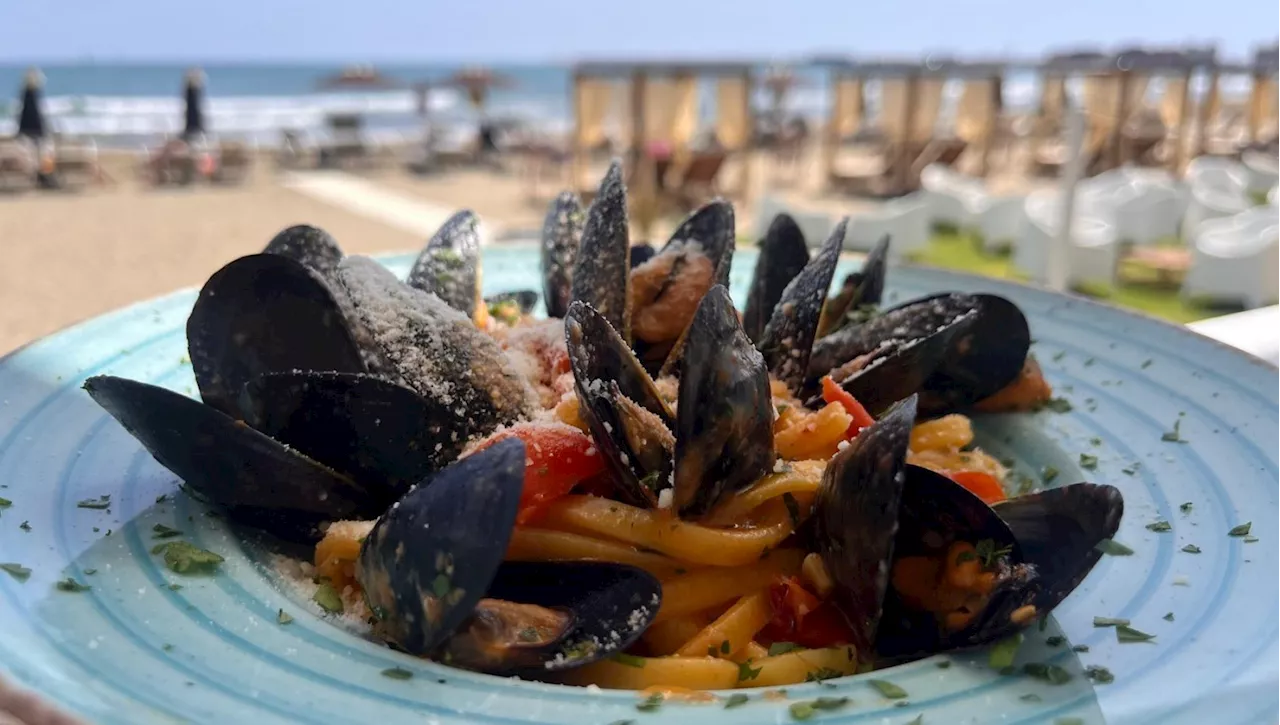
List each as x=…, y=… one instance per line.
x=135, y=650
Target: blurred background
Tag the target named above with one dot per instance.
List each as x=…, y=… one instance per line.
x=144, y=144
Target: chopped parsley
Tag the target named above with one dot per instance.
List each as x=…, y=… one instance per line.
x=528, y=634
x=1130, y=470
x=746, y=673
x=183, y=557
x=283, y=617
x=725, y=647
x=1029, y=697
x=101, y=502
x=397, y=673
x=1160, y=526
x=1168, y=617
x=989, y=553
x=1058, y=405
x=1241, y=530
x=1175, y=435
x=888, y=689
x=1055, y=641
x=1095, y=441
x=162, y=498
x=1185, y=508
x=1113, y=548
x=25, y=526
x=1088, y=462
x=5, y=503
x=943, y=664
x=822, y=674
x=1080, y=648
x=1099, y=674
x=328, y=599
x=71, y=585
x=1004, y=651
x=1191, y=549
x=650, y=481
x=440, y=585
x=17, y=571
x=806, y=710
x=1146, y=364
x=1059, y=355
x=793, y=509
x=736, y=700
x=90, y=572
x=1048, y=473
x=175, y=587
x=1052, y=674
x=1109, y=622
x=164, y=532
x=781, y=648
x=623, y=658
x=1125, y=633
x=650, y=703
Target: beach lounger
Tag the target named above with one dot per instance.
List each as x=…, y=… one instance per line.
x=75, y=162
x=1235, y=259
x=18, y=164
x=698, y=181
x=234, y=162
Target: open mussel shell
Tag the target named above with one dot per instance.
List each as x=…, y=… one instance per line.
x=712, y=228
x=602, y=607
x=311, y=246
x=724, y=425
x=641, y=253
x=432, y=348
x=783, y=253
x=449, y=266
x=266, y=313
x=982, y=360
x=430, y=558
x=362, y=426
x=788, y=338
x=855, y=517
x=602, y=270
x=561, y=236
x=860, y=292
x=1059, y=531
x=620, y=404
x=258, y=480
x=934, y=513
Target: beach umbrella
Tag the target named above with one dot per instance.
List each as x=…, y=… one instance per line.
x=358, y=78
x=194, y=95
x=31, y=119
x=477, y=82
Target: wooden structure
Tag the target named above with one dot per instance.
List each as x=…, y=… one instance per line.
x=1131, y=141
x=660, y=119
x=1261, y=115
x=1101, y=105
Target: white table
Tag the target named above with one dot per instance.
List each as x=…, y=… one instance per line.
x=1257, y=332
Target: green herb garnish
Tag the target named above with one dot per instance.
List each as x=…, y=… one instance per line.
x=183, y=557
x=1052, y=674
x=1160, y=526
x=781, y=648
x=397, y=673
x=1095, y=441
x=724, y=647
x=1175, y=435
x=1113, y=548
x=793, y=509
x=1109, y=622
x=1088, y=462
x=988, y=552
x=1080, y=648
x=1004, y=651
x=175, y=587
x=942, y=665
x=283, y=617
x=1029, y=697
x=746, y=673
x=822, y=674
x=17, y=571
x=1241, y=530
x=101, y=502
x=1048, y=473
x=1191, y=549
x=1130, y=470
x=25, y=526
x=440, y=585
x=1125, y=633
x=806, y=710
x=1058, y=405
x=623, y=658
x=328, y=599
x=528, y=634
x=888, y=689
x=736, y=700
x=5, y=503
x=1250, y=539
x=1168, y=617
x=164, y=532
x=162, y=498
x=650, y=703
x=1099, y=674
x=71, y=585
x=1186, y=507
x=1055, y=641
x=650, y=481
x=1146, y=364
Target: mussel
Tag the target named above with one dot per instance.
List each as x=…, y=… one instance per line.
x=432, y=573
x=449, y=266
x=783, y=253
x=860, y=293
x=922, y=565
x=561, y=235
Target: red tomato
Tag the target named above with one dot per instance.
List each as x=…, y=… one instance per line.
x=833, y=393
x=802, y=618
x=557, y=458
x=983, y=485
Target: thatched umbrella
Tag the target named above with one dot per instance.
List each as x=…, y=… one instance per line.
x=358, y=78
x=31, y=119
x=477, y=82
x=193, y=94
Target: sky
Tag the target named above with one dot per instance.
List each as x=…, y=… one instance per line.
x=557, y=30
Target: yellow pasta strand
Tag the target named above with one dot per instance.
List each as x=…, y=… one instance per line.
x=800, y=434
x=752, y=651
x=697, y=673
x=733, y=630
x=702, y=589
x=801, y=479
x=666, y=636
x=950, y=432
x=660, y=531
x=796, y=666
x=530, y=544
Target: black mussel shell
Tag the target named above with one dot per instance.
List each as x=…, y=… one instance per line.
x=783, y=253
x=372, y=430
x=628, y=419
x=608, y=607
x=1059, y=531
x=449, y=266
x=641, y=253
x=258, y=480
x=432, y=556
x=561, y=236
x=434, y=349
x=724, y=425
x=860, y=292
x=261, y=314
x=855, y=517
x=712, y=227
x=602, y=270
x=525, y=299
x=983, y=360
x=788, y=338
x=314, y=248
x=934, y=513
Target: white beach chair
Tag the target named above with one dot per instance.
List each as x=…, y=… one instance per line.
x=1144, y=205
x=905, y=220
x=1237, y=259
x=1260, y=170
x=999, y=220
x=1217, y=189
x=815, y=226
x=949, y=195
x=1094, y=252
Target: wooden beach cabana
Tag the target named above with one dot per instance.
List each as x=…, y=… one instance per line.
x=1219, y=132
x=1155, y=135
x=648, y=113
x=1102, y=107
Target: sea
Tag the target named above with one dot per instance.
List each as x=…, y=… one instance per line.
x=127, y=105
